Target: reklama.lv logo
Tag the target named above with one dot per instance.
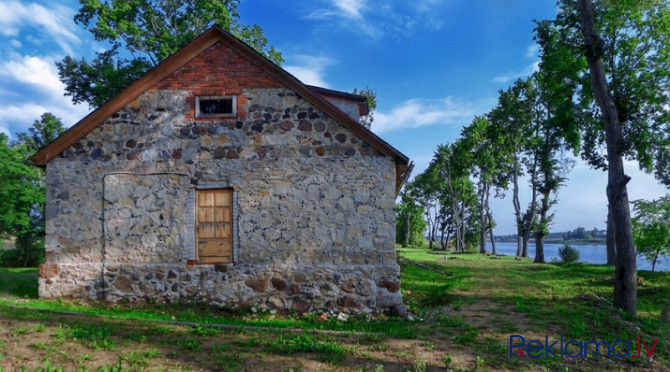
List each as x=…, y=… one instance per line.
x=577, y=349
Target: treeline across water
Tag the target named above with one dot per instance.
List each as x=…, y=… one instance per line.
x=579, y=235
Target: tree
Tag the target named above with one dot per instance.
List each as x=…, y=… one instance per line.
x=617, y=56
x=372, y=105
x=22, y=188
x=478, y=149
x=410, y=225
x=515, y=118
x=651, y=225
x=142, y=33
x=43, y=131
x=21, y=200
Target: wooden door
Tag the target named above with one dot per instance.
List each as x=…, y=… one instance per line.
x=214, y=226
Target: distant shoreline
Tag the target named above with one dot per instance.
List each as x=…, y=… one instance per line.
x=559, y=241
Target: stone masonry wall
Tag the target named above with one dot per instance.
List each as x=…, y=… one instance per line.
x=314, y=206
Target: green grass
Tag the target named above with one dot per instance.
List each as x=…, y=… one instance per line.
x=18, y=283
x=471, y=302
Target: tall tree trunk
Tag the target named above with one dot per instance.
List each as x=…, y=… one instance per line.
x=408, y=230
x=531, y=212
x=526, y=240
x=463, y=228
x=482, y=219
x=539, y=247
x=517, y=206
x=493, y=241
x=519, y=241
x=489, y=217
x=540, y=233
x=625, y=275
x=445, y=241
x=609, y=238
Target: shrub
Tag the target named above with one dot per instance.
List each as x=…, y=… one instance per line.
x=568, y=254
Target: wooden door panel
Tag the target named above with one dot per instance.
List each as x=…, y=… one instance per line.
x=214, y=225
x=214, y=248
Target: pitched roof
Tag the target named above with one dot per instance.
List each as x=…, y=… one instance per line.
x=190, y=51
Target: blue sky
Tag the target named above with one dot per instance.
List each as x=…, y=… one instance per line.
x=434, y=64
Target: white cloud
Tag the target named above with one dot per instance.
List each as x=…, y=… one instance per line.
x=420, y=112
x=32, y=70
x=351, y=8
x=35, y=89
x=338, y=8
x=382, y=18
x=56, y=21
x=309, y=69
x=510, y=76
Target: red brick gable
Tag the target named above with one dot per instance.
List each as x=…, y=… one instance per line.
x=218, y=70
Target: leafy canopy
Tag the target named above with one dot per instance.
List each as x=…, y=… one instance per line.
x=142, y=33
x=22, y=190
x=635, y=44
x=651, y=224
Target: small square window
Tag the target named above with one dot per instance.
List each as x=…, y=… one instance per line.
x=215, y=106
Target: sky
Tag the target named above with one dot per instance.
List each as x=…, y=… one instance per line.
x=434, y=65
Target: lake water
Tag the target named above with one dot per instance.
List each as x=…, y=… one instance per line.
x=595, y=254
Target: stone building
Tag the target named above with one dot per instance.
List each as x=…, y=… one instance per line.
x=220, y=177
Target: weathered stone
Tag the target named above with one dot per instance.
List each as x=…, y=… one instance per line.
x=366, y=288
x=348, y=301
x=221, y=268
x=392, y=286
x=387, y=299
x=304, y=125
x=49, y=270
x=300, y=304
x=278, y=283
x=341, y=137
x=123, y=283
x=319, y=126
x=276, y=302
x=257, y=284
x=220, y=153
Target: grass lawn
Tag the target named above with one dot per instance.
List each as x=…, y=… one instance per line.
x=465, y=308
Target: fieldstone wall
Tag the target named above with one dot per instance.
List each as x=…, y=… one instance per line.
x=314, y=219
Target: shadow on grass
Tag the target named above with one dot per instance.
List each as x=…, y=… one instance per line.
x=66, y=340
x=18, y=282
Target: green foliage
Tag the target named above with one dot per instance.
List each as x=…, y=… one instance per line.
x=446, y=195
x=568, y=254
x=651, y=225
x=142, y=33
x=22, y=188
x=409, y=218
x=634, y=42
x=372, y=105
x=21, y=203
